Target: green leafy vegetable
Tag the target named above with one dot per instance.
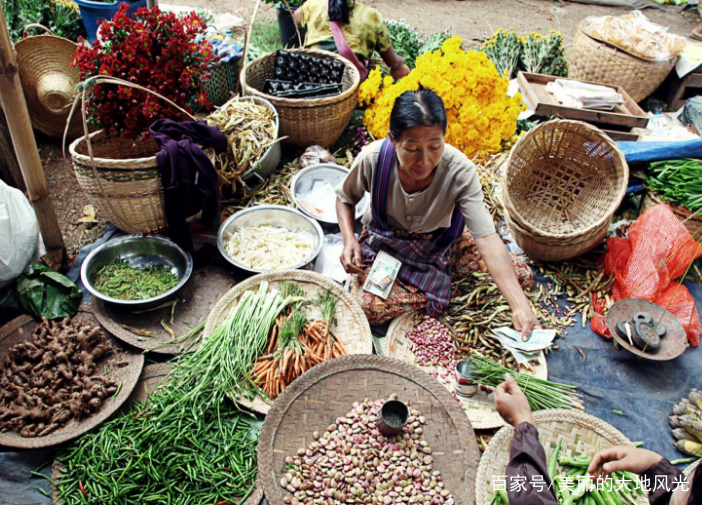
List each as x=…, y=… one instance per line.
x=118, y=279
x=45, y=293
x=405, y=41
x=60, y=16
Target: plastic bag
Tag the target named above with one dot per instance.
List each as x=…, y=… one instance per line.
x=634, y=33
x=658, y=250
x=19, y=233
x=314, y=155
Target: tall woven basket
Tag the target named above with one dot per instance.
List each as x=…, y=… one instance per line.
x=306, y=121
x=594, y=61
x=562, y=183
x=120, y=177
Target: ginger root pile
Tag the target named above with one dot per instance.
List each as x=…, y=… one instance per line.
x=51, y=379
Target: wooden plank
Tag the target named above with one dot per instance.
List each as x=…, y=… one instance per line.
x=694, y=81
x=533, y=87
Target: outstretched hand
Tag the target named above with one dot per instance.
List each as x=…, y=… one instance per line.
x=511, y=403
x=619, y=458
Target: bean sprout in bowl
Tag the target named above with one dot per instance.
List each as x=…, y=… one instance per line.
x=270, y=237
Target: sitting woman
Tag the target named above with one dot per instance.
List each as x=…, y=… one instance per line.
x=423, y=194
x=527, y=460
x=353, y=30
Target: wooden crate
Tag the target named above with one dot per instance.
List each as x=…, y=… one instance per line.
x=625, y=116
x=675, y=91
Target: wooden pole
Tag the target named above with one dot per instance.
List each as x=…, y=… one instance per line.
x=26, y=150
x=9, y=168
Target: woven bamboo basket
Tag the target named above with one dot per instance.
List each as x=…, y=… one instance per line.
x=480, y=408
x=562, y=183
x=306, y=121
x=128, y=189
x=350, y=324
x=581, y=434
x=120, y=177
x=692, y=224
x=594, y=61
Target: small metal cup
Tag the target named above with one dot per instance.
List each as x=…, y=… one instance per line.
x=464, y=380
x=393, y=416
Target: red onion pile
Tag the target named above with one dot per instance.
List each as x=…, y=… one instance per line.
x=352, y=463
x=434, y=346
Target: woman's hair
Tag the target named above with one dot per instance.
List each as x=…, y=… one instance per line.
x=416, y=108
x=695, y=497
x=339, y=10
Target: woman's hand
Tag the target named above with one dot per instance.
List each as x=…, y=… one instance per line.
x=525, y=321
x=511, y=403
x=400, y=72
x=351, y=258
x=617, y=459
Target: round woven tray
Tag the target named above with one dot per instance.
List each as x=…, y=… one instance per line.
x=197, y=298
x=151, y=377
x=581, y=433
x=328, y=391
x=350, y=324
x=480, y=408
x=20, y=330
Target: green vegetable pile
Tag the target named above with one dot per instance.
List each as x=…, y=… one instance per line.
x=409, y=43
x=573, y=485
x=534, y=53
x=118, y=279
x=188, y=443
x=678, y=182
x=59, y=16
x=540, y=393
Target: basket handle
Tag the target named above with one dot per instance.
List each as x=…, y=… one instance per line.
x=82, y=89
x=247, y=38
x=25, y=32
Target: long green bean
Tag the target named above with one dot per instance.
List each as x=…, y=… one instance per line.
x=187, y=444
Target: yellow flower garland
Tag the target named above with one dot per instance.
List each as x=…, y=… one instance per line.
x=480, y=114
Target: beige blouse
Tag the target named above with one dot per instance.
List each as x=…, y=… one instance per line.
x=456, y=180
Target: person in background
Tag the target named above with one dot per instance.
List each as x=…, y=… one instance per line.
x=427, y=211
x=528, y=459
x=353, y=30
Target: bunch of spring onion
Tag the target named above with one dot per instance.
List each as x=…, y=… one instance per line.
x=678, y=182
x=541, y=394
x=188, y=443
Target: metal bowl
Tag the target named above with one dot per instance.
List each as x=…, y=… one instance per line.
x=274, y=215
x=137, y=250
x=322, y=173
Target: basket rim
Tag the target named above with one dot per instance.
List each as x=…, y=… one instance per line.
x=582, y=28
x=509, y=205
x=596, y=424
x=104, y=162
x=304, y=102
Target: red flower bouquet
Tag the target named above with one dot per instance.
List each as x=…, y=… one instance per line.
x=154, y=49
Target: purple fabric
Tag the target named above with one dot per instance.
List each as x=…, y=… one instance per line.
x=425, y=263
x=345, y=50
x=189, y=179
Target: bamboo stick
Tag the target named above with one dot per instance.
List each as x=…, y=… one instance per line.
x=26, y=149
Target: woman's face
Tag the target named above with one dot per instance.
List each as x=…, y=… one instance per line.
x=419, y=149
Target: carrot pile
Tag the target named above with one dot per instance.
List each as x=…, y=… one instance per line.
x=295, y=345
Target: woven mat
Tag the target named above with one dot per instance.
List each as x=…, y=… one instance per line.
x=328, y=391
x=198, y=296
x=20, y=330
x=481, y=407
x=350, y=324
x=581, y=433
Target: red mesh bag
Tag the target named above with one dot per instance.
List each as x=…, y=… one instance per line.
x=658, y=250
